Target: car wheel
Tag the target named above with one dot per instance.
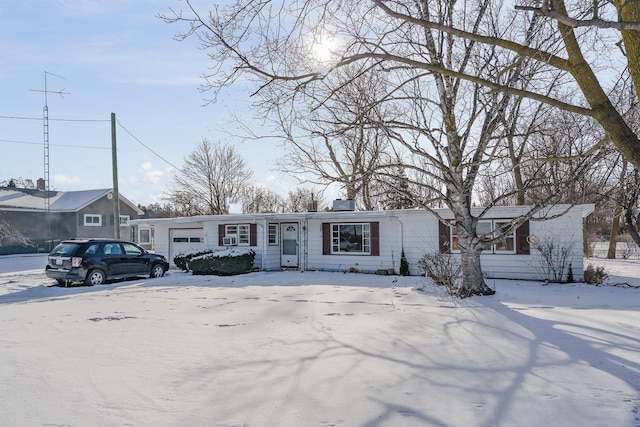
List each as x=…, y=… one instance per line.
x=95, y=277
x=157, y=271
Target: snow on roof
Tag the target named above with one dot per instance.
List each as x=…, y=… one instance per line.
x=74, y=200
x=60, y=201
x=15, y=199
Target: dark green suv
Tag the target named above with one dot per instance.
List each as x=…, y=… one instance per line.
x=94, y=261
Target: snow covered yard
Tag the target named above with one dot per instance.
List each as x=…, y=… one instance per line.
x=307, y=349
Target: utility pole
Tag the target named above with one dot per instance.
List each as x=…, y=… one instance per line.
x=114, y=165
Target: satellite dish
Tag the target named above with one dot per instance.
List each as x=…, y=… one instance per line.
x=109, y=196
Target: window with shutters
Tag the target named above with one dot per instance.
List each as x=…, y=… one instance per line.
x=93, y=220
x=493, y=228
x=351, y=239
x=240, y=232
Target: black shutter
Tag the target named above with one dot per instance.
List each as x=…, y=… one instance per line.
x=326, y=238
x=444, y=237
x=374, y=229
x=253, y=235
x=522, y=241
x=220, y=234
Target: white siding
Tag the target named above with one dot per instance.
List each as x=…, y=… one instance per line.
x=416, y=231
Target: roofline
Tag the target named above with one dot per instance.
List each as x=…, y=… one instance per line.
x=495, y=212
x=104, y=193
x=79, y=208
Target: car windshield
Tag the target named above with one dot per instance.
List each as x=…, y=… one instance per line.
x=64, y=249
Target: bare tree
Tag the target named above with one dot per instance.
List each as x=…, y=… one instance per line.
x=632, y=206
x=10, y=235
x=443, y=118
x=211, y=179
x=256, y=199
x=332, y=134
x=301, y=199
x=230, y=28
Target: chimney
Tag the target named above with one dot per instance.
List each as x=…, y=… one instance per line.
x=40, y=184
x=344, y=205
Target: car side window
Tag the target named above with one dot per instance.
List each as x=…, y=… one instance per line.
x=91, y=249
x=130, y=249
x=112, y=249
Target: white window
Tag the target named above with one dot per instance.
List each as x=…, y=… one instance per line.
x=93, y=220
x=489, y=228
x=144, y=236
x=351, y=239
x=273, y=234
x=236, y=234
x=124, y=219
x=508, y=245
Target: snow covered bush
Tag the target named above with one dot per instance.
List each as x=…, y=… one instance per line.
x=443, y=269
x=182, y=259
x=223, y=263
x=594, y=275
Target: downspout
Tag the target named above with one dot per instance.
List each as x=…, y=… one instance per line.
x=264, y=244
x=305, y=243
x=395, y=218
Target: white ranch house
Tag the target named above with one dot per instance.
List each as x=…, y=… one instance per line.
x=367, y=241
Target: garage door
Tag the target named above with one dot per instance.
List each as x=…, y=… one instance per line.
x=184, y=240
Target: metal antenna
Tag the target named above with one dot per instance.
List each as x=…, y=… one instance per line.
x=45, y=122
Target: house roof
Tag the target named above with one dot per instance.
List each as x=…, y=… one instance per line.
x=59, y=201
x=494, y=213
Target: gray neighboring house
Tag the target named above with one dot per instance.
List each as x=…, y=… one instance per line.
x=72, y=214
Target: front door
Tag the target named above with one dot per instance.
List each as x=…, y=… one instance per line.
x=289, y=233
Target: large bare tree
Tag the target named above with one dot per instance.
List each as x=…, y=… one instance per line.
x=211, y=179
x=437, y=73
x=332, y=134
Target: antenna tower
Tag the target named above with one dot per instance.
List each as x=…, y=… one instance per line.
x=45, y=124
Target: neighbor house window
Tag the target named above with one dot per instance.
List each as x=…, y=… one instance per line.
x=273, y=234
x=93, y=220
x=124, y=219
x=144, y=236
x=513, y=242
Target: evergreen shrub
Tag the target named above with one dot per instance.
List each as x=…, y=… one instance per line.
x=182, y=260
x=223, y=263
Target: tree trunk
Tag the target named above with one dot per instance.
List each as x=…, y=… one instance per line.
x=622, y=136
x=615, y=230
x=472, y=278
x=630, y=12
x=617, y=212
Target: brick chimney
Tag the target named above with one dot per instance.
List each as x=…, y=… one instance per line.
x=40, y=184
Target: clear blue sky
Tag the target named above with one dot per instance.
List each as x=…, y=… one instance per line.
x=115, y=56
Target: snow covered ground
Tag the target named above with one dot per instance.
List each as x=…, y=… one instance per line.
x=316, y=349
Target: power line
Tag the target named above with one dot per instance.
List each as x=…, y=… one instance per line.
x=53, y=145
x=54, y=120
x=79, y=146
x=147, y=147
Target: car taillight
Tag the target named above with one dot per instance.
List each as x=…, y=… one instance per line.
x=76, y=261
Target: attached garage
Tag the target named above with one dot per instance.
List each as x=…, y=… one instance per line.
x=183, y=240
